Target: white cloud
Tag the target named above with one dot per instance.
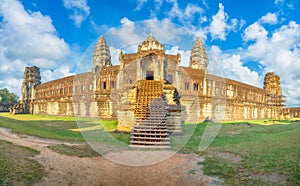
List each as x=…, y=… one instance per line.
x=114, y=52
x=279, y=52
x=130, y=34
x=285, y=4
x=185, y=55
x=80, y=10
x=279, y=2
x=126, y=22
x=231, y=66
x=269, y=18
x=61, y=71
x=125, y=36
x=140, y=4
x=26, y=39
x=157, y=5
x=255, y=32
x=242, y=24
x=186, y=16
x=166, y=31
x=220, y=26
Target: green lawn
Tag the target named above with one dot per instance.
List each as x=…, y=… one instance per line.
x=16, y=165
x=243, y=153
x=41, y=126
x=61, y=128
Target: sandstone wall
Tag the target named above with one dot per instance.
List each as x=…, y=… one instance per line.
x=295, y=112
x=207, y=96
x=202, y=96
x=83, y=95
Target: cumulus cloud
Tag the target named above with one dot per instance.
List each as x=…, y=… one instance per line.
x=255, y=32
x=130, y=34
x=80, y=10
x=157, y=5
x=51, y=74
x=126, y=36
x=220, y=26
x=185, y=54
x=26, y=39
x=192, y=17
x=269, y=18
x=231, y=66
x=114, y=52
x=185, y=16
x=166, y=31
x=279, y=51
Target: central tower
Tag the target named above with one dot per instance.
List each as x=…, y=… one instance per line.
x=198, y=58
x=101, y=57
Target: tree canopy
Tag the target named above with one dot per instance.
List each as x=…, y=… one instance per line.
x=7, y=97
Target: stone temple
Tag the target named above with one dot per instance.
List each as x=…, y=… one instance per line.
x=150, y=87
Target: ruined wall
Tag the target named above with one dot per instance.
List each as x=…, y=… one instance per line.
x=5, y=107
x=31, y=80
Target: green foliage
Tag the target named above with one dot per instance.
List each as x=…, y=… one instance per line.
x=16, y=165
x=7, y=97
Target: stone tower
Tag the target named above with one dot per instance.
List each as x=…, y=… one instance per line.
x=101, y=57
x=273, y=89
x=198, y=59
x=31, y=79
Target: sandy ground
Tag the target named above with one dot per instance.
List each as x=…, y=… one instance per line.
x=179, y=169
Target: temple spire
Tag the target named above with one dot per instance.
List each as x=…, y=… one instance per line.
x=198, y=58
x=101, y=57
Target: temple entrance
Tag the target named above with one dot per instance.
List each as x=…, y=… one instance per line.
x=150, y=75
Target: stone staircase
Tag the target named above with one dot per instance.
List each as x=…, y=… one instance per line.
x=146, y=91
x=150, y=130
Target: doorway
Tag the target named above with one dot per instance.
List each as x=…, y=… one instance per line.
x=150, y=75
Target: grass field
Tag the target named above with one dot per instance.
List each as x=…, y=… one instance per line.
x=243, y=152
x=252, y=155
x=16, y=167
x=61, y=128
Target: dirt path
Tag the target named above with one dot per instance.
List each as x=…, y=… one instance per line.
x=180, y=169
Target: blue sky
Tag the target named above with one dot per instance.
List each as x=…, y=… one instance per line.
x=244, y=39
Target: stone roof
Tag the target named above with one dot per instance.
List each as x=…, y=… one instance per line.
x=192, y=72
x=84, y=76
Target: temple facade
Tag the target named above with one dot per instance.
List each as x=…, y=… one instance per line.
x=126, y=91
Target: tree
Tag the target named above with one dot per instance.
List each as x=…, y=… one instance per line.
x=7, y=97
